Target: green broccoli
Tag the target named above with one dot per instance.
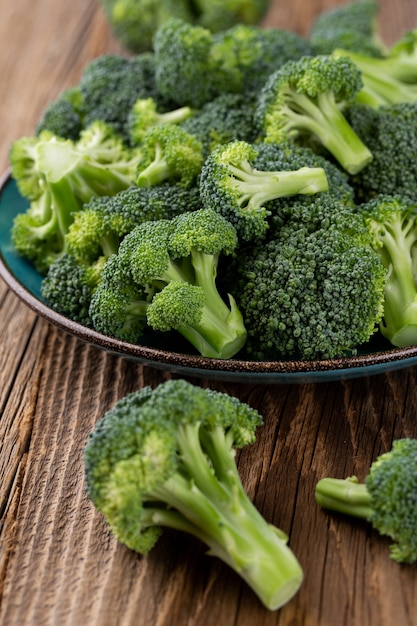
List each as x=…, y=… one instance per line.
x=145, y=114
x=175, y=261
x=315, y=288
x=387, y=498
x=351, y=26
x=306, y=99
x=231, y=185
x=169, y=153
x=59, y=176
x=390, y=132
x=64, y=116
x=392, y=224
x=402, y=57
x=69, y=286
x=219, y=15
x=381, y=84
x=165, y=457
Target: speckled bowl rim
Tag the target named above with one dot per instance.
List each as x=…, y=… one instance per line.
x=230, y=369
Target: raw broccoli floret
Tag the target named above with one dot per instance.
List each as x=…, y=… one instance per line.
x=134, y=22
x=111, y=84
x=231, y=185
x=169, y=153
x=69, y=286
x=59, y=176
x=166, y=458
x=219, y=15
x=352, y=26
x=177, y=260
x=390, y=132
x=392, y=224
x=382, y=85
x=387, y=498
x=315, y=289
x=229, y=117
x=307, y=98
x=64, y=116
x=145, y=114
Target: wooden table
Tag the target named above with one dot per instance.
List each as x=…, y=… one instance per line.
x=59, y=566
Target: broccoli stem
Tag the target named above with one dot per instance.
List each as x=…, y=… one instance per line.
x=176, y=116
x=156, y=172
x=258, y=187
x=325, y=120
x=346, y=496
x=220, y=514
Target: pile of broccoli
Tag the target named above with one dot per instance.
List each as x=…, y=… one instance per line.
x=296, y=153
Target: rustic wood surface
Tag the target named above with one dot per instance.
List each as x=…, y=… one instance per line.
x=59, y=566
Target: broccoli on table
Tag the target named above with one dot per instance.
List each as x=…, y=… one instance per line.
x=305, y=100
x=59, y=176
x=387, y=498
x=231, y=185
x=175, y=262
x=166, y=458
x=392, y=224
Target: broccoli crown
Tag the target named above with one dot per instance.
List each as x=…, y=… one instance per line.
x=110, y=86
x=306, y=98
x=69, y=285
x=228, y=117
x=145, y=114
x=392, y=224
x=391, y=135
x=219, y=15
x=352, y=26
x=313, y=291
x=387, y=497
x=165, y=458
x=231, y=185
x=64, y=116
x=169, y=153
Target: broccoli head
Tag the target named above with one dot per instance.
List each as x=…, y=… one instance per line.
x=166, y=458
x=145, y=114
x=386, y=498
x=64, y=116
x=306, y=99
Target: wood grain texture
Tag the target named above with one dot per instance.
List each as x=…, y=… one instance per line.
x=59, y=565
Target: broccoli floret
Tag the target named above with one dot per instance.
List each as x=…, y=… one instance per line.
x=110, y=86
x=306, y=98
x=169, y=153
x=145, y=114
x=386, y=498
x=390, y=132
x=231, y=185
x=352, y=26
x=165, y=458
x=227, y=118
x=59, y=176
x=134, y=22
x=185, y=251
x=381, y=84
x=69, y=286
x=313, y=291
x=402, y=57
x=64, y=116
x=118, y=306
x=219, y=15
x=392, y=224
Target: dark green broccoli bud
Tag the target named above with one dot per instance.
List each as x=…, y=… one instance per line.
x=381, y=84
x=69, y=286
x=135, y=22
x=313, y=291
x=64, y=116
x=231, y=185
x=59, y=176
x=387, y=497
x=229, y=117
x=110, y=86
x=166, y=458
x=392, y=224
x=169, y=153
x=391, y=134
x=352, y=26
x=306, y=98
x=144, y=115
x=118, y=306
